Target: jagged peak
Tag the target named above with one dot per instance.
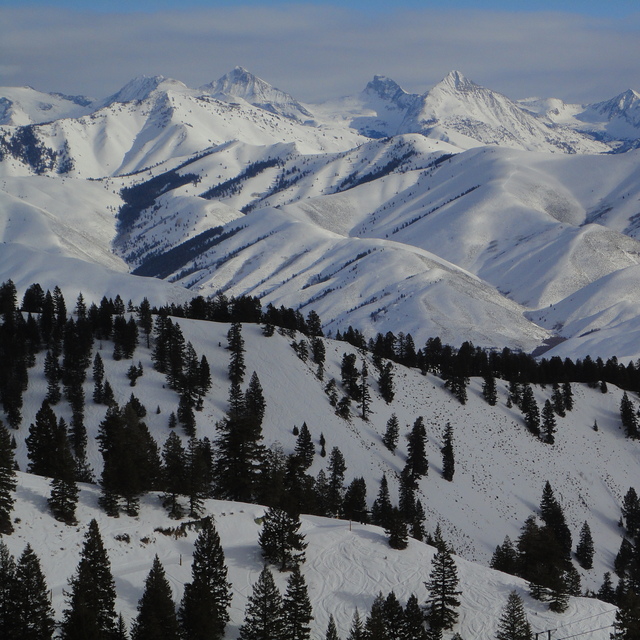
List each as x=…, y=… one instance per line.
x=457, y=81
x=137, y=89
x=383, y=87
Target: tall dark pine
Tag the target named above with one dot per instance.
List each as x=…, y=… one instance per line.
x=553, y=516
x=396, y=530
x=296, y=608
x=365, y=394
x=390, y=437
x=64, y=490
x=513, y=624
x=631, y=512
x=280, y=540
x=8, y=599
x=489, y=391
x=385, y=382
x=335, y=491
x=443, y=601
x=584, y=550
x=174, y=474
x=548, y=423
x=264, y=619
x=417, y=465
x=203, y=613
x=8, y=481
x=236, y=346
x=304, y=447
x=626, y=625
x=382, y=507
x=629, y=417
x=156, y=619
x=34, y=614
x=354, y=505
x=332, y=631
x=448, y=461
x=529, y=408
x=356, y=632
x=92, y=594
x=414, y=620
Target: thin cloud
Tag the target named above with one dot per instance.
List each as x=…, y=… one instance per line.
x=315, y=52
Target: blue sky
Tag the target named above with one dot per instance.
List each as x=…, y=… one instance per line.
x=580, y=51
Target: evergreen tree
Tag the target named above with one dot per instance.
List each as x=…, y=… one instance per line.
x=357, y=631
x=623, y=558
x=607, y=593
x=296, y=608
x=197, y=475
x=448, y=462
x=489, y=390
x=548, y=423
x=396, y=530
x=631, y=512
x=91, y=599
x=457, y=384
x=145, y=319
x=156, y=619
x=336, y=471
x=349, y=374
x=529, y=408
x=414, y=620
x=390, y=437
x=375, y=625
x=385, y=382
x=417, y=465
x=393, y=617
x=8, y=597
x=236, y=346
x=64, y=490
x=280, y=540
x=34, y=614
x=381, y=510
x=354, y=505
x=557, y=401
x=174, y=474
x=98, y=379
x=505, y=558
x=365, y=395
x=627, y=621
x=8, y=481
x=254, y=402
x=304, y=447
x=52, y=374
x=553, y=516
x=629, y=417
x=513, y=624
x=443, y=599
x=332, y=392
x=203, y=612
x=567, y=395
x=332, y=631
x=264, y=619
x=584, y=550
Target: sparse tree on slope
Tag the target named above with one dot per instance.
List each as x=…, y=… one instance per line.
x=513, y=623
x=296, y=608
x=156, y=619
x=203, y=612
x=263, y=618
x=442, y=586
x=8, y=481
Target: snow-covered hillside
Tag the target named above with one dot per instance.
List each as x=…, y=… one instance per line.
x=500, y=471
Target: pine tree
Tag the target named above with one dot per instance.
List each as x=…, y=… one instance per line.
x=629, y=418
x=203, y=612
x=529, y=408
x=236, y=346
x=381, y=510
x=414, y=620
x=375, y=626
x=365, y=395
x=91, y=599
x=505, y=558
x=548, y=423
x=489, y=390
x=390, y=437
x=385, y=382
x=8, y=596
x=442, y=602
x=304, y=447
x=34, y=614
x=64, y=490
x=567, y=395
x=557, y=401
x=396, y=530
x=174, y=473
x=417, y=465
x=607, y=593
x=584, y=550
x=513, y=624
x=448, y=462
x=553, y=516
x=254, y=402
x=263, y=618
x=8, y=481
x=356, y=632
x=296, y=608
x=631, y=512
x=349, y=375
x=393, y=617
x=52, y=373
x=332, y=631
x=156, y=619
x=336, y=471
x=354, y=505
x=626, y=625
x=280, y=540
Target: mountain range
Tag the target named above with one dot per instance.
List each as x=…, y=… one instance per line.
x=458, y=212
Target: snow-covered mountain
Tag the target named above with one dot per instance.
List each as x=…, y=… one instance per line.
x=432, y=214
